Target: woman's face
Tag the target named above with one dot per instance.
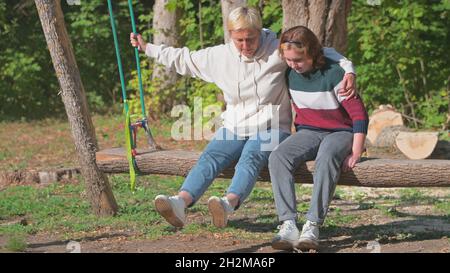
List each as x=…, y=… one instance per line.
x=298, y=61
x=246, y=41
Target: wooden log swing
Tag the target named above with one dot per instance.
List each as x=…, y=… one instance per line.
x=371, y=172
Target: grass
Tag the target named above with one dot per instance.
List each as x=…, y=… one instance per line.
x=16, y=243
x=62, y=209
x=415, y=196
x=443, y=206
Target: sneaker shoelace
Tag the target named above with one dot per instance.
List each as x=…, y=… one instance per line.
x=226, y=205
x=308, y=226
x=285, y=228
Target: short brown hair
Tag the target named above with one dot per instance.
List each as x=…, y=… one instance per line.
x=303, y=39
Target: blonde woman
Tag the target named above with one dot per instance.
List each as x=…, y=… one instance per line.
x=250, y=73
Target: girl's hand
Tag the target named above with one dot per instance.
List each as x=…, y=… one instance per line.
x=137, y=41
x=350, y=162
x=348, y=86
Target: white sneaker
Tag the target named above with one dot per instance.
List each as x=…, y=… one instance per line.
x=287, y=237
x=309, y=239
x=172, y=209
x=219, y=208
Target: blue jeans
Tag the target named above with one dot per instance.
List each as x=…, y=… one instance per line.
x=251, y=154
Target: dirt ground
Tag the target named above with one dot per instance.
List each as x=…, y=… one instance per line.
x=192, y=244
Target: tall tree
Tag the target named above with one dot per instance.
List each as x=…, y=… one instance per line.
x=74, y=98
x=227, y=7
x=327, y=19
x=167, y=31
x=447, y=123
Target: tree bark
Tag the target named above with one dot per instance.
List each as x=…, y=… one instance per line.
x=447, y=123
x=369, y=173
x=72, y=92
x=227, y=7
x=166, y=26
x=327, y=19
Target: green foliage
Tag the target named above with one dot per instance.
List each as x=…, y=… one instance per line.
x=26, y=76
x=433, y=109
x=272, y=14
x=399, y=49
x=28, y=85
x=401, y=59
x=90, y=30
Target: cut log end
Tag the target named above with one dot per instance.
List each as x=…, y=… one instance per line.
x=380, y=119
x=416, y=145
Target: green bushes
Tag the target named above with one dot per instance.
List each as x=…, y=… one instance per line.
x=399, y=49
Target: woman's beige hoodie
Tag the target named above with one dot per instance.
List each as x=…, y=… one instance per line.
x=254, y=89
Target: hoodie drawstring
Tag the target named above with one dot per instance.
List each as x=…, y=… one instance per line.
x=239, y=82
x=255, y=84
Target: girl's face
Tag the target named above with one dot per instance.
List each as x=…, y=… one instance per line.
x=300, y=62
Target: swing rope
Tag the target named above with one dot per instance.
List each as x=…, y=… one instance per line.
x=131, y=128
x=138, y=62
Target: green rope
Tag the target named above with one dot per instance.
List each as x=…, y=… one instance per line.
x=138, y=62
x=119, y=62
x=128, y=136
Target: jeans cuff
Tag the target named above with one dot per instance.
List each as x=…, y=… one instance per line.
x=194, y=199
x=239, y=200
x=288, y=217
x=314, y=219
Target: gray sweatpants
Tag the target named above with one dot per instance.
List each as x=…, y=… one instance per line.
x=328, y=149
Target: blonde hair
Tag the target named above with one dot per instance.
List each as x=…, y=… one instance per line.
x=244, y=18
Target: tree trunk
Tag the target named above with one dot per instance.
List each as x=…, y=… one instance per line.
x=165, y=24
x=72, y=92
x=447, y=123
x=369, y=173
x=227, y=7
x=327, y=19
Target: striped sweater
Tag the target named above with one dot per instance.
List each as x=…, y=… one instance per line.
x=318, y=105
